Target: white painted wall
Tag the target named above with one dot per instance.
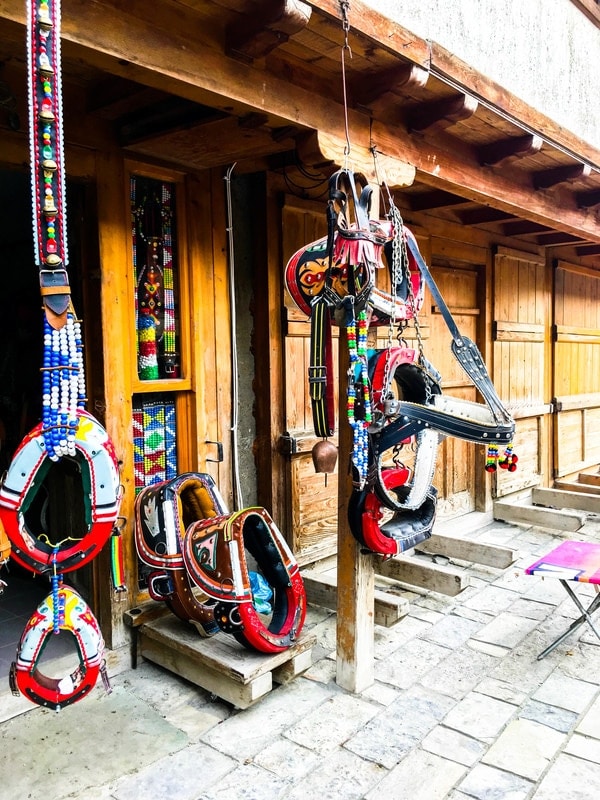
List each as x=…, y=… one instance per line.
x=546, y=52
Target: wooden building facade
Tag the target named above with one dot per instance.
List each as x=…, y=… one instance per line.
x=160, y=108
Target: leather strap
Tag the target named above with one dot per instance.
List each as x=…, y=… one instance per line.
x=320, y=371
x=465, y=351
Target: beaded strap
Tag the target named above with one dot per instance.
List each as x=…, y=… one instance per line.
x=63, y=382
x=358, y=377
x=45, y=114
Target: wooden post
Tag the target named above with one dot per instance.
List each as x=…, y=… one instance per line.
x=355, y=570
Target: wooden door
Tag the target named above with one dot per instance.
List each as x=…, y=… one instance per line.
x=521, y=363
x=576, y=335
x=311, y=499
x=455, y=475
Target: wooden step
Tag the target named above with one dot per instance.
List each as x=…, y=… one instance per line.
x=321, y=590
x=491, y=555
x=556, y=498
x=415, y=571
x=524, y=513
x=591, y=479
x=577, y=486
x=221, y=665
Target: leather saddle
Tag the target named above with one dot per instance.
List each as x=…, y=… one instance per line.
x=222, y=553
x=163, y=512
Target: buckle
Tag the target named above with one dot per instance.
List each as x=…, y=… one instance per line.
x=317, y=374
x=12, y=680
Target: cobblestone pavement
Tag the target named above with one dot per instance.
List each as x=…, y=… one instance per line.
x=461, y=708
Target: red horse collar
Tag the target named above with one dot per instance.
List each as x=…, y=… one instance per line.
x=215, y=556
x=87, y=483
x=75, y=619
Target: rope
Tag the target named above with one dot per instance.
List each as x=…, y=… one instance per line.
x=237, y=491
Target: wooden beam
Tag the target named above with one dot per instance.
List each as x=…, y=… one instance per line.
x=525, y=514
x=393, y=37
x=589, y=479
x=491, y=555
x=404, y=77
x=269, y=26
x=575, y=486
x=560, y=499
x=105, y=34
x=546, y=178
x=322, y=150
x=441, y=113
x=515, y=147
x=355, y=619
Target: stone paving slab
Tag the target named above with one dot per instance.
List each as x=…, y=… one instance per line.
x=570, y=778
x=524, y=748
x=460, y=709
x=83, y=746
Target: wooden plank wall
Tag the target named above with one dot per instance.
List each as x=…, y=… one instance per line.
x=576, y=368
x=521, y=362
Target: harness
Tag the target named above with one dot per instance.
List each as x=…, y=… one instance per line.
x=339, y=270
x=394, y=395
x=62, y=611
x=60, y=498
x=215, y=554
x=163, y=512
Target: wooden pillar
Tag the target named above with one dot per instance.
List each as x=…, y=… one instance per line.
x=355, y=571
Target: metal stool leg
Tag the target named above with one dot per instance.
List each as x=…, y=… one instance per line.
x=586, y=616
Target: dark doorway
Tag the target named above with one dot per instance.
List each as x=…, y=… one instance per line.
x=21, y=348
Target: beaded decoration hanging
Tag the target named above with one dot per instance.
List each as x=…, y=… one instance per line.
x=154, y=440
x=358, y=384
x=63, y=383
x=152, y=241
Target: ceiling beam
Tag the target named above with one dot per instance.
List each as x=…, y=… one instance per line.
x=515, y=147
x=105, y=34
x=256, y=36
x=441, y=113
x=404, y=77
x=546, y=178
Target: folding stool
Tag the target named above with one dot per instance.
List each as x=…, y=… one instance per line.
x=572, y=561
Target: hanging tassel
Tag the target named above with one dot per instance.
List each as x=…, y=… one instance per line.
x=116, y=562
x=491, y=461
x=509, y=459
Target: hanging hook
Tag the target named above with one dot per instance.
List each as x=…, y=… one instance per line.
x=345, y=7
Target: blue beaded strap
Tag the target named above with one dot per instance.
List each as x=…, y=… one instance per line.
x=358, y=377
x=63, y=386
x=58, y=599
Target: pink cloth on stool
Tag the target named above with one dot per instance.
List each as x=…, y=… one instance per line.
x=570, y=561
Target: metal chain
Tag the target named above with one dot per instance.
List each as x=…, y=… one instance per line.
x=345, y=7
x=399, y=226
